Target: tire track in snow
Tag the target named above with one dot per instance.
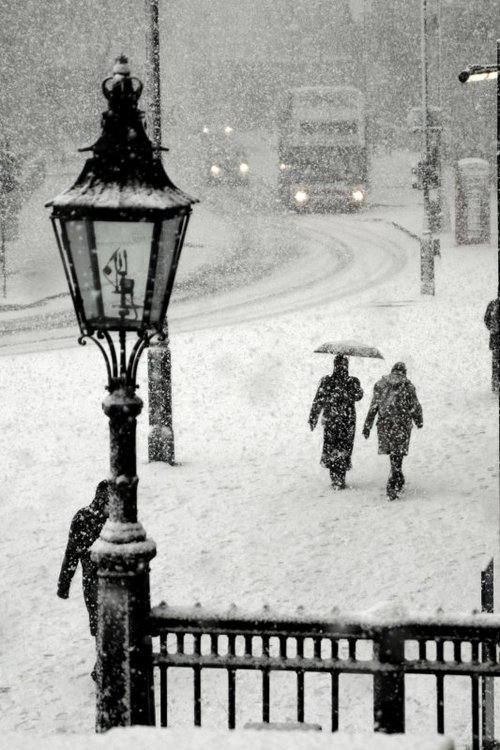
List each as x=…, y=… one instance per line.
x=329, y=270
x=342, y=259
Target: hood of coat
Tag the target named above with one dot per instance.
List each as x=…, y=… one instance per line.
x=341, y=367
x=99, y=504
x=395, y=378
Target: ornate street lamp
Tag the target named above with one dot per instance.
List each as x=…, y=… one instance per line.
x=120, y=230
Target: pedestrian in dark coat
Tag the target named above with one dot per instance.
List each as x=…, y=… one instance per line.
x=336, y=397
x=397, y=406
x=491, y=321
x=84, y=530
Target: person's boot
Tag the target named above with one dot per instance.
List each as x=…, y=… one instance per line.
x=337, y=475
x=338, y=481
x=391, y=490
x=399, y=482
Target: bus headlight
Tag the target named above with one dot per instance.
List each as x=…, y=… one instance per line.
x=301, y=196
x=243, y=168
x=358, y=196
x=215, y=169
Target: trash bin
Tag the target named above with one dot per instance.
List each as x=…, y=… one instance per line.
x=472, y=202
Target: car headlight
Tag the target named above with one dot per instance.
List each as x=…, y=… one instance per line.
x=284, y=166
x=243, y=168
x=301, y=196
x=215, y=169
x=357, y=195
x=228, y=129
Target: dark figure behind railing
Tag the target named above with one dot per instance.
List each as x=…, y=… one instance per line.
x=491, y=321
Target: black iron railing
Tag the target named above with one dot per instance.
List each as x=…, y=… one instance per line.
x=369, y=645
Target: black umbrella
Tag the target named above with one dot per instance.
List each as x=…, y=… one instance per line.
x=349, y=349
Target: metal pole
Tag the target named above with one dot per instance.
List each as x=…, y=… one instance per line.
x=426, y=243
x=443, y=216
x=488, y=653
x=389, y=687
x=123, y=552
x=4, y=265
x=496, y=352
x=161, y=445
x=366, y=56
x=427, y=253
x=153, y=69
x=425, y=115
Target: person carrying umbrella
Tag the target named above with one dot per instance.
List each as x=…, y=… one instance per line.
x=397, y=406
x=336, y=397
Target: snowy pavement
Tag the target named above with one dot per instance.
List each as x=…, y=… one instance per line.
x=248, y=515
x=201, y=739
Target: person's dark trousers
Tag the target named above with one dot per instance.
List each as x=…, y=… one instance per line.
x=338, y=469
x=90, y=596
x=396, y=480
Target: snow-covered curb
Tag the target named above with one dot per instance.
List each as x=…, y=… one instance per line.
x=203, y=739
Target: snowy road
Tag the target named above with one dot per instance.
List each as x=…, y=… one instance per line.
x=341, y=258
x=319, y=259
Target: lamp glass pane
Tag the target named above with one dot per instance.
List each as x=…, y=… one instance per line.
x=111, y=261
x=169, y=238
x=80, y=259
x=123, y=251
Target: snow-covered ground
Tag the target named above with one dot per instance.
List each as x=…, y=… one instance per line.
x=248, y=515
x=202, y=739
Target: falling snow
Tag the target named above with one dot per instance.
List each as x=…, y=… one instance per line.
x=248, y=516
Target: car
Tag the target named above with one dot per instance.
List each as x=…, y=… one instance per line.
x=226, y=163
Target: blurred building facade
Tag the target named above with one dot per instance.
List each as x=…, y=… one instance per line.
x=227, y=60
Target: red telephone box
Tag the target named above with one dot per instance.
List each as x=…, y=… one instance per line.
x=472, y=202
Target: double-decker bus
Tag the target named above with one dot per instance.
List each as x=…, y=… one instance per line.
x=322, y=148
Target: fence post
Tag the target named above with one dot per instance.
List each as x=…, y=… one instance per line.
x=488, y=652
x=389, y=687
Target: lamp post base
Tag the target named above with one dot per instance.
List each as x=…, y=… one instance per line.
x=124, y=670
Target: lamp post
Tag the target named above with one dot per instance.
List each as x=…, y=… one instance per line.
x=472, y=74
x=120, y=230
x=476, y=73
x=161, y=444
x=431, y=163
